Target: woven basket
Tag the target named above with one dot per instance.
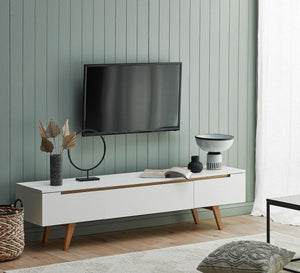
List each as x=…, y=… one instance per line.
x=11, y=231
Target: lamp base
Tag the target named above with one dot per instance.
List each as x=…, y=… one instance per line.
x=83, y=179
x=214, y=161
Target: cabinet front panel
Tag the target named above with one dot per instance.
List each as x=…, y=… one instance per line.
x=96, y=205
x=32, y=202
x=220, y=191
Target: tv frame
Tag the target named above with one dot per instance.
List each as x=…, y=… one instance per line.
x=86, y=66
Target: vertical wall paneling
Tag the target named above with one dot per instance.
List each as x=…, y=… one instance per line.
x=204, y=71
x=194, y=55
x=98, y=58
x=4, y=101
x=45, y=44
x=233, y=77
x=121, y=16
x=40, y=100
x=214, y=66
x=110, y=57
x=174, y=57
x=243, y=86
x=87, y=58
x=184, y=58
x=142, y=57
x=153, y=57
x=98, y=31
x=76, y=80
x=131, y=149
x=28, y=89
x=52, y=63
x=164, y=27
x=224, y=71
x=16, y=94
x=64, y=73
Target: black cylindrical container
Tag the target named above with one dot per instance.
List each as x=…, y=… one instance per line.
x=56, y=167
x=195, y=165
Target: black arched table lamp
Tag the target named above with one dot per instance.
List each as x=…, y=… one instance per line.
x=88, y=178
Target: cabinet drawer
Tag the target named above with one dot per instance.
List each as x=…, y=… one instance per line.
x=105, y=204
x=220, y=191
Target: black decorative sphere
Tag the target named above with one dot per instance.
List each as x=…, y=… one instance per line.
x=195, y=165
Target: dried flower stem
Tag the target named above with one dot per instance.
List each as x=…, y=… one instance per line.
x=55, y=145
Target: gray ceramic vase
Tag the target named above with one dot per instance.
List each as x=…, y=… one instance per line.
x=195, y=165
x=56, y=167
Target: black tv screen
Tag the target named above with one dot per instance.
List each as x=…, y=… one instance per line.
x=131, y=98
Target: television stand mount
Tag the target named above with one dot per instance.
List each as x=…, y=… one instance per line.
x=88, y=178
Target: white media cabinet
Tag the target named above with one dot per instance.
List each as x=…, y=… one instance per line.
x=127, y=194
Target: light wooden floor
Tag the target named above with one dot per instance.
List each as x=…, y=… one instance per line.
x=91, y=246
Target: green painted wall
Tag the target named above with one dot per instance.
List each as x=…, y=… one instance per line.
x=44, y=45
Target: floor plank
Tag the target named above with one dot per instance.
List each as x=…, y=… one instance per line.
x=92, y=246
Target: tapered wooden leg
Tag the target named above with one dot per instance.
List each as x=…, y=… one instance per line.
x=216, y=211
x=195, y=216
x=46, y=234
x=69, y=233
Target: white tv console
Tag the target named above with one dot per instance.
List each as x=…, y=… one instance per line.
x=126, y=194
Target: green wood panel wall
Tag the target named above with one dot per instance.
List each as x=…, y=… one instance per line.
x=44, y=45
x=5, y=140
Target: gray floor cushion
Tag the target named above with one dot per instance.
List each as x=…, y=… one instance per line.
x=246, y=256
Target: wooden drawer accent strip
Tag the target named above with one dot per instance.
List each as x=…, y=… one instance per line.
x=146, y=184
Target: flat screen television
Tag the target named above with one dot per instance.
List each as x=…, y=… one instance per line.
x=131, y=98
